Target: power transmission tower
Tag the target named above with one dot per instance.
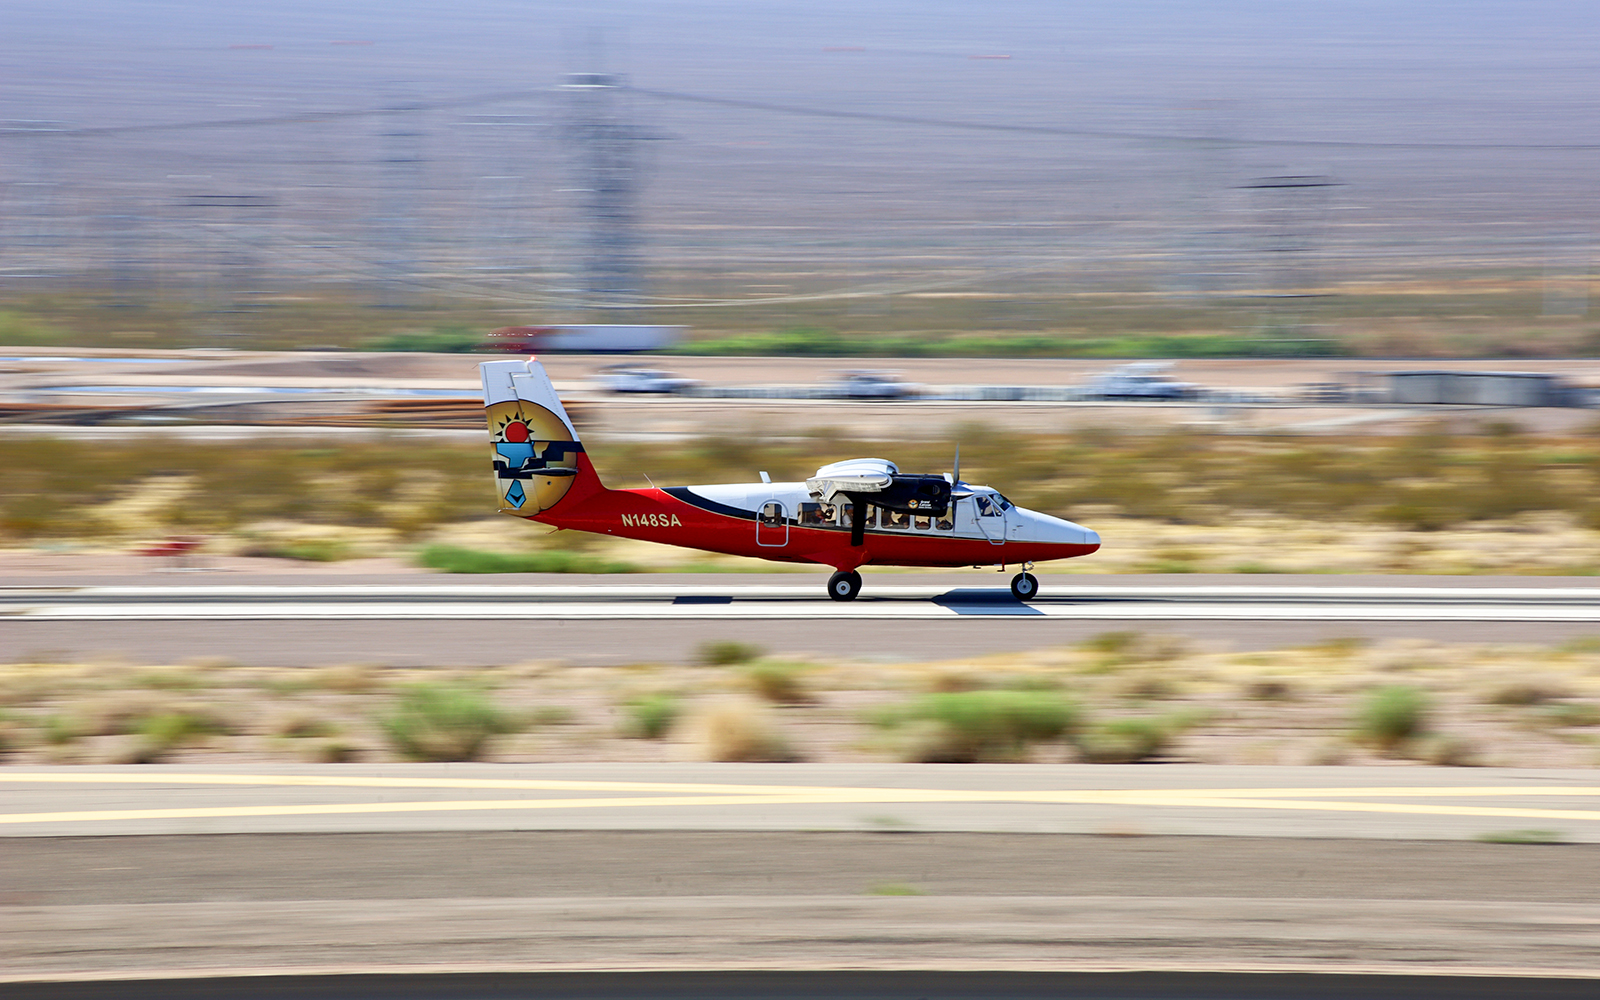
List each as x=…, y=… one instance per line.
x=605, y=144
x=1290, y=209
x=400, y=202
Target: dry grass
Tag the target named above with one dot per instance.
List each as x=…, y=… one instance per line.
x=1178, y=501
x=1134, y=696
x=736, y=729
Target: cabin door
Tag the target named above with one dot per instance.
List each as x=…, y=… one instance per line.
x=991, y=519
x=772, y=524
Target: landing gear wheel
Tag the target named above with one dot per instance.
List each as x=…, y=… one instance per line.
x=1024, y=587
x=844, y=586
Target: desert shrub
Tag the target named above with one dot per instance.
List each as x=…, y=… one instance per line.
x=1111, y=643
x=170, y=679
x=1390, y=717
x=1528, y=691
x=1128, y=741
x=650, y=717
x=302, y=725
x=454, y=559
x=444, y=722
x=1572, y=713
x=966, y=726
x=778, y=681
x=59, y=730
x=11, y=736
x=443, y=340
x=737, y=729
x=161, y=733
x=301, y=550
x=796, y=341
x=345, y=678
x=726, y=653
x=333, y=752
x=1521, y=837
x=1451, y=751
x=1269, y=689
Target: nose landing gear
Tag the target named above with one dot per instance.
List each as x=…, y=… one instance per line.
x=1024, y=587
x=844, y=586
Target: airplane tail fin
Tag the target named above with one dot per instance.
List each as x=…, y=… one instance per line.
x=538, y=459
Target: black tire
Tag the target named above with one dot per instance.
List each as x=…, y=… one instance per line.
x=844, y=586
x=1024, y=587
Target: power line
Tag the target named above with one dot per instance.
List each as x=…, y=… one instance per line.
x=1057, y=130
x=500, y=97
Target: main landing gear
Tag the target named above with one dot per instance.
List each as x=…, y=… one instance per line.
x=844, y=586
x=1024, y=587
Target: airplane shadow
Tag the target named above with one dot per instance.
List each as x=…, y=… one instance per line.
x=984, y=602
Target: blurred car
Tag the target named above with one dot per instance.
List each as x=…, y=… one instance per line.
x=1141, y=380
x=620, y=378
x=870, y=385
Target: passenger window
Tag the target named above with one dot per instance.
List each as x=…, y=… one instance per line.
x=896, y=520
x=812, y=513
x=948, y=522
x=844, y=512
x=922, y=523
x=772, y=513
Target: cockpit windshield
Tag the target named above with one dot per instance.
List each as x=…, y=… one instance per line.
x=1002, y=501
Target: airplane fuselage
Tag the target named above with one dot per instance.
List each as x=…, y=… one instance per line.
x=783, y=522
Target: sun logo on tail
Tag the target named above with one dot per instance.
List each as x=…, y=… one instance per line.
x=535, y=457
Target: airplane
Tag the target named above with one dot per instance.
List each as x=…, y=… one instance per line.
x=850, y=514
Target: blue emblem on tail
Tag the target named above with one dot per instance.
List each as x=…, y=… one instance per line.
x=515, y=496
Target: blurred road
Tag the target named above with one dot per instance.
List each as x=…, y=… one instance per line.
x=942, y=615
x=1179, y=799
x=732, y=598
x=795, y=867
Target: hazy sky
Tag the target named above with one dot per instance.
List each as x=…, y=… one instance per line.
x=157, y=59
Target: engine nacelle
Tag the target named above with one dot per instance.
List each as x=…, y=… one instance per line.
x=878, y=482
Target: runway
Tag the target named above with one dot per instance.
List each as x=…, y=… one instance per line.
x=734, y=599
x=495, y=620
x=1173, y=800
x=582, y=868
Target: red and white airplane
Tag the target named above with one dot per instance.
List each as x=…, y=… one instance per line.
x=850, y=514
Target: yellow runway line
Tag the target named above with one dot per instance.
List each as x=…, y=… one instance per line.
x=661, y=787
x=739, y=795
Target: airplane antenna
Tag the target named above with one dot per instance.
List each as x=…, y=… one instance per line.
x=647, y=479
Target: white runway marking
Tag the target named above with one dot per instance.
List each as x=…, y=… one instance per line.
x=731, y=600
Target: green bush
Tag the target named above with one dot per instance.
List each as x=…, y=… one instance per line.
x=443, y=340
x=797, y=341
x=726, y=653
x=1128, y=741
x=453, y=559
x=162, y=732
x=1390, y=717
x=778, y=681
x=445, y=722
x=302, y=550
x=966, y=726
x=651, y=717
